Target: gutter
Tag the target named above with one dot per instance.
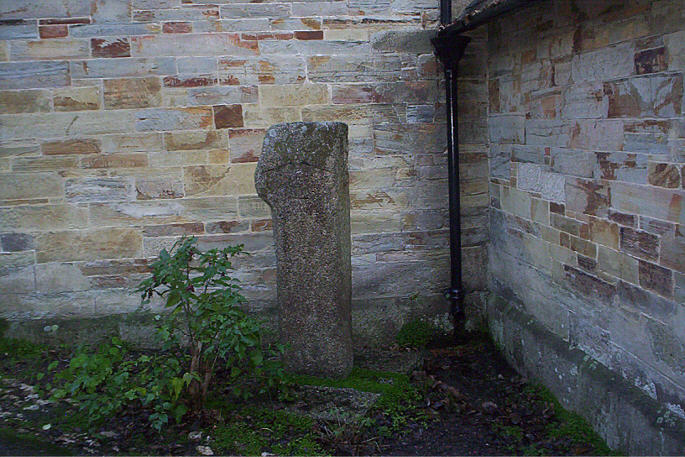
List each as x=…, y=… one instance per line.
x=449, y=47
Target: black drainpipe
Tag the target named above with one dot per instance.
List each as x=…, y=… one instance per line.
x=450, y=49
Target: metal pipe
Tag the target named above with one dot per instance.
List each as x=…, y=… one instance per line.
x=450, y=51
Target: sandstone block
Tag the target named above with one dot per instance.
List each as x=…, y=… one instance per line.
x=193, y=44
x=664, y=175
x=76, y=99
x=507, y=129
x=25, y=101
x=132, y=93
x=639, y=244
x=261, y=70
x=656, y=279
x=227, y=116
x=49, y=49
x=109, y=243
x=246, y=144
x=115, y=68
x=659, y=203
x=617, y=264
x=174, y=119
x=293, y=95
x=43, y=217
x=24, y=186
x=587, y=196
x=75, y=146
x=303, y=171
x=27, y=75
x=535, y=178
x=110, y=47
x=199, y=139
x=90, y=190
x=219, y=179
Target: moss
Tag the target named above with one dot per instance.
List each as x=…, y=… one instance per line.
x=13, y=442
x=16, y=349
x=255, y=430
x=570, y=425
x=398, y=396
x=417, y=334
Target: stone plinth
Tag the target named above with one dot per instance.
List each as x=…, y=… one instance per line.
x=302, y=174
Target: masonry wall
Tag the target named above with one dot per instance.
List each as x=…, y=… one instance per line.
x=127, y=123
x=587, y=213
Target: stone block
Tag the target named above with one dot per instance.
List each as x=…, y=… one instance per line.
x=655, y=202
x=603, y=64
x=228, y=116
x=26, y=101
x=227, y=227
x=303, y=170
x=49, y=49
x=603, y=135
x=173, y=119
x=198, y=139
x=507, y=128
x=672, y=249
x=621, y=167
x=77, y=98
x=117, y=31
x=675, y=44
x=115, y=161
x=75, y=146
x=410, y=41
x=17, y=273
x=223, y=94
x=656, y=279
x=603, y=232
x=110, y=47
x=245, y=144
x=651, y=61
x=13, y=242
x=116, y=68
x=547, y=132
x=18, y=30
x=66, y=124
x=91, y=190
x=55, y=163
x=516, y=202
x=43, y=217
x=26, y=186
x=219, y=179
x=193, y=44
x=639, y=244
x=351, y=68
x=106, y=243
x=256, y=10
x=585, y=101
x=60, y=277
x=134, y=142
x=261, y=70
x=617, y=264
x=587, y=196
x=535, y=178
x=252, y=206
x=293, y=95
x=573, y=162
x=159, y=184
x=664, y=175
x=132, y=93
x=27, y=75
x=645, y=96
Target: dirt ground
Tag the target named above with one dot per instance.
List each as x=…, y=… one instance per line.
x=456, y=400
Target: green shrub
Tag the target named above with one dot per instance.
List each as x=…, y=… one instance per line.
x=204, y=328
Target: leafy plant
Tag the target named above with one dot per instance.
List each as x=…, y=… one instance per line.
x=204, y=328
x=205, y=314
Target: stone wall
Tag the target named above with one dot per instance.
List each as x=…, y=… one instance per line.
x=128, y=123
x=587, y=159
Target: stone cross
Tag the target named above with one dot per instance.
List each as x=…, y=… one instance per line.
x=302, y=175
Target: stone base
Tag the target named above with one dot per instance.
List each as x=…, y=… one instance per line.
x=623, y=415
